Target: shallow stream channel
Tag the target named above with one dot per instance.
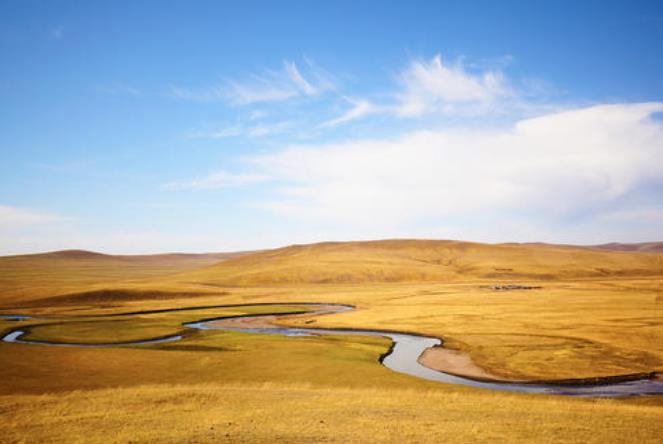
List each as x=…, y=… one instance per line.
x=402, y=357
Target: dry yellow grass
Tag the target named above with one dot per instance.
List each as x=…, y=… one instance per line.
x=599, y=313
x=424, y=261
x=29, y=277
x=299, y=413
x=210, y=356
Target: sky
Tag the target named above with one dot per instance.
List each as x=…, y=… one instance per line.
x=159, y=126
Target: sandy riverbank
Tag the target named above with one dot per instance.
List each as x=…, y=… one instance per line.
x=454, y=362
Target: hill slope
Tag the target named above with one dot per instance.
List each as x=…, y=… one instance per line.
x=59, y=272
x=423, y=260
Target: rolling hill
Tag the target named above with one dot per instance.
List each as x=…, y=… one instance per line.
x=60, y=272
x=83, y=275
x=423, y=260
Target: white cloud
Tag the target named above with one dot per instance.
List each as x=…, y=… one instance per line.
x=434, y=86
x=360, y=108
x=259, y=130
x=546, y=166
x=17, y=217
x=424, y=86
x=216, y=179
x=298, y=80
x=268, y=129
x=323, y=80
x=270, y=86
x=221, y=133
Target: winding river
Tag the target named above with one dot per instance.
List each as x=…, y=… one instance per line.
x=402, y=357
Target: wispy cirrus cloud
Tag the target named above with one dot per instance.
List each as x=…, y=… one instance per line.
x=422, y=87
x=298, y=80
x=267, y=129
x=360, y=108
x=215, y=180
x=269, y=86
x=238, y=130
x=431, y=85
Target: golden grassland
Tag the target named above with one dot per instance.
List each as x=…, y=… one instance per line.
x=424, y=261
x=210, y=356
x=564, y=330
x=301, y=413
x=30, y=277
x=598, y=313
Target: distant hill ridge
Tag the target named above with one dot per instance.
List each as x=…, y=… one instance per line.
x=28, y=277
x=77, y=254
x=37, y=276
x=645, y=247
x=86, y=254
x=404, y=260
x=650, y=247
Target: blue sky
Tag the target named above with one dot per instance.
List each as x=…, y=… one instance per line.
x=130, y=127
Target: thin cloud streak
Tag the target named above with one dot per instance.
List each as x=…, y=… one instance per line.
x=268, y=129
x=259, y=130
x=216, y=180
x=360, y=109
x=270, y=86
x=423, y=88
x=298, y=80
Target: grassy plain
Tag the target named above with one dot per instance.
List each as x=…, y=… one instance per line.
x=599, y=313
x=302, y=413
